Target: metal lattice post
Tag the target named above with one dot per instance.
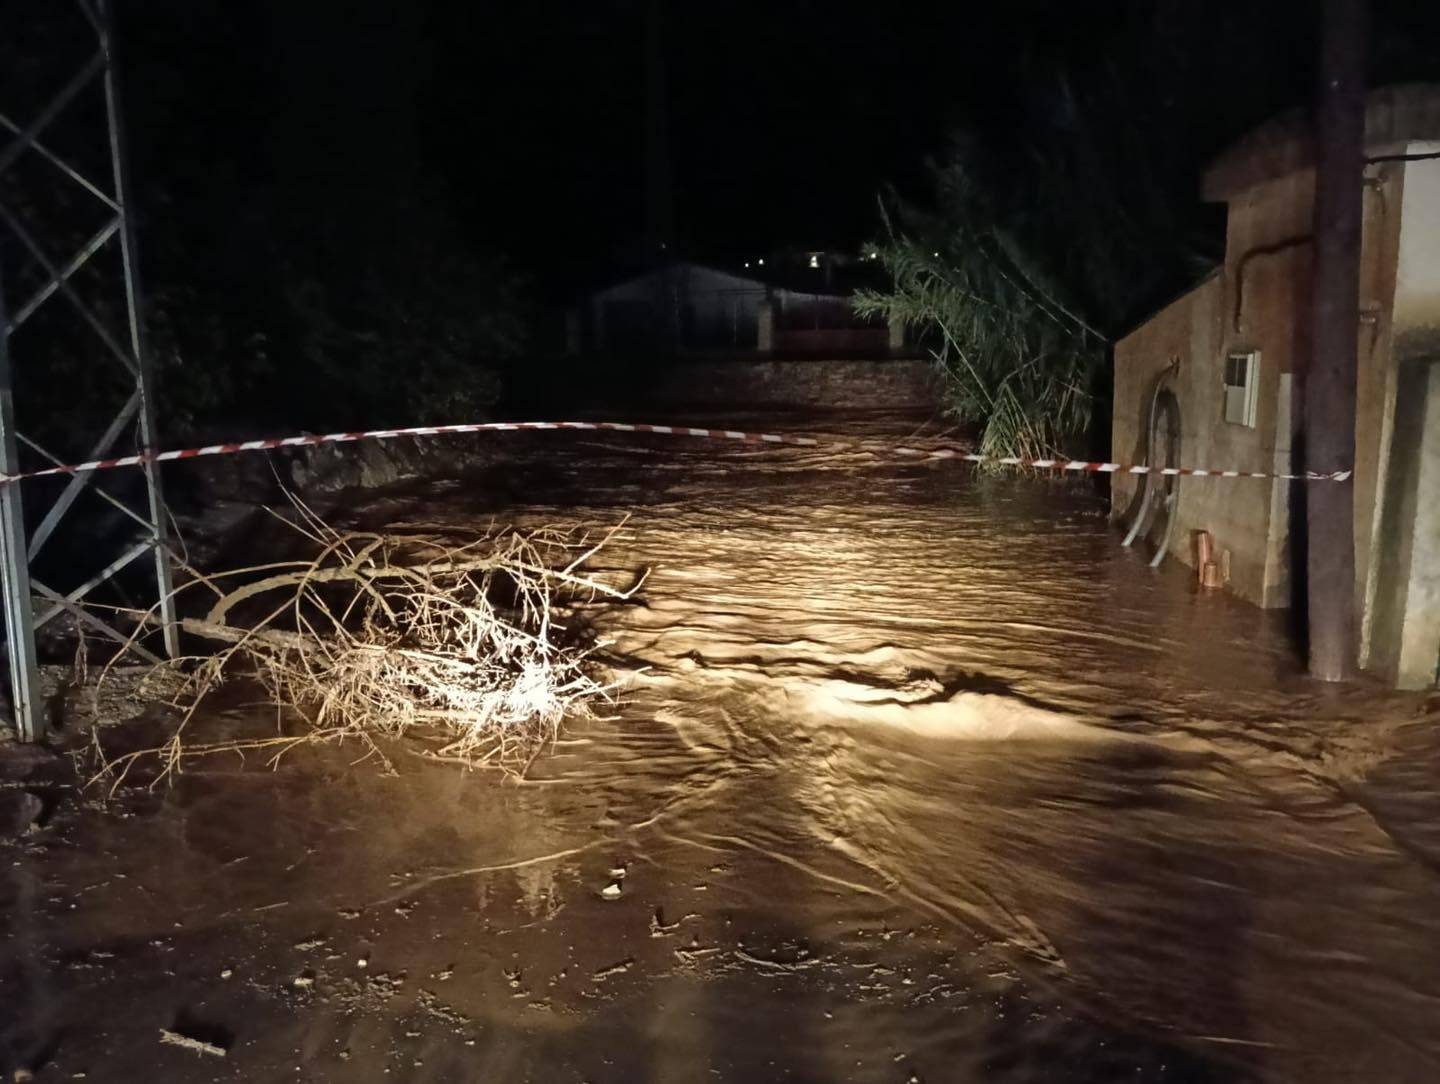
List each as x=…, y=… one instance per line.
x=145, y=378
x=127, y=347
x=19, y=614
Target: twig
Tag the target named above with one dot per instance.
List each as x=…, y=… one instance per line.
x=378, y=634
x=199, y=1046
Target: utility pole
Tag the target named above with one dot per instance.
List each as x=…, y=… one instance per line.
x=1330, y=381
x=659, y=190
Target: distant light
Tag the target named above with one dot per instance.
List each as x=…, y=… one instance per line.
x=747, y=263
x=935, y=254
x=760, y=262
x=814, y=260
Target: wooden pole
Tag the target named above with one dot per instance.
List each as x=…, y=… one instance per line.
x=1330, y=382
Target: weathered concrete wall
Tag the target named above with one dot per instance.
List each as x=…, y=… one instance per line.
x=1374, y=391
x=1236, y=512
x=1401, y=634
x=1268, y=280
x=1260, y=301
x=900, y=384
x=1417, y=297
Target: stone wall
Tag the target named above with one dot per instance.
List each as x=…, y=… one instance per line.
x=896, y=384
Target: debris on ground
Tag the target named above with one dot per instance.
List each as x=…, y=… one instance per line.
x=187, y=1042
x=476, y=646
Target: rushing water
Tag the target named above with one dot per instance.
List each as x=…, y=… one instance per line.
x=919, y=777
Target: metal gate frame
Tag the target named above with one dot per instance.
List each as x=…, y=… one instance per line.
x=127, y=349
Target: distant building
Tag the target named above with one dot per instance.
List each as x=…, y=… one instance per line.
x=1240, y=339
x=688, y=309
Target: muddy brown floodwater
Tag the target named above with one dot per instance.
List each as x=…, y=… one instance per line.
x=919, y=778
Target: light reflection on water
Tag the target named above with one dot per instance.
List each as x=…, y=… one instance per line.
x=963, y=698
x=919, y=777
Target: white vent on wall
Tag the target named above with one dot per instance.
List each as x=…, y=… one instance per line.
x=1242, y=388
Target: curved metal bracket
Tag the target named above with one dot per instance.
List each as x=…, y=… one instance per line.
x=1152, y=500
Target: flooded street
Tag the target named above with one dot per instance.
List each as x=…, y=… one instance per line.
x=918, y=776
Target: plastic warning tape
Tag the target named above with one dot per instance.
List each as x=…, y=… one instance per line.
x=1118, y=468
x=311, y=440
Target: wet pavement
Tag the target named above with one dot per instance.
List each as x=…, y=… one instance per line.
x=919, y=776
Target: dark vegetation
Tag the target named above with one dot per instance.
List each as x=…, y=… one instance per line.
x=351, y=213
x=1036, y=242
x=301, y=261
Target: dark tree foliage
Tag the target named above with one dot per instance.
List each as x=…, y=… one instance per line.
x=1055, y=224
x=302, y=267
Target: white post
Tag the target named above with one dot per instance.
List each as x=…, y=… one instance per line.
x=765, y=327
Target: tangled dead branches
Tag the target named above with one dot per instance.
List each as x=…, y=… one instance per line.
x=384, y=634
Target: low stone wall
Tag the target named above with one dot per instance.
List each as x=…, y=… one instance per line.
x=894, y=383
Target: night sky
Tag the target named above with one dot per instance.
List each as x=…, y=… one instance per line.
x=785, y=119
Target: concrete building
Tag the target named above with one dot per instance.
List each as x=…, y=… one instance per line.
x=1239, y=345
x=691, y=309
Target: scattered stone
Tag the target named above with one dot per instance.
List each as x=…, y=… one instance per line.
x=305, y=980
x=611, y=891
x=20, y=813
x=226, y=973
x=617, y=873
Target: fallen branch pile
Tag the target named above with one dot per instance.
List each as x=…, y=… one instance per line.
x=477, y=645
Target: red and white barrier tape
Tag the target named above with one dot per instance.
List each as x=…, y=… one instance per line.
x=624, y=427
x=1118, y=468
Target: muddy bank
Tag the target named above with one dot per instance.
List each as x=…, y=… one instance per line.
x=918, y=777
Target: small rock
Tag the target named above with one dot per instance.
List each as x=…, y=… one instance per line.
x=611, y=891
x=19, y=813
x=305, y=979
